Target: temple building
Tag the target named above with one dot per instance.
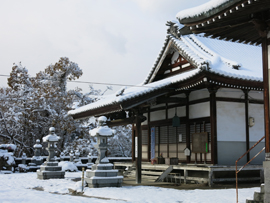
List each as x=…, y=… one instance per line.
x=202, y=102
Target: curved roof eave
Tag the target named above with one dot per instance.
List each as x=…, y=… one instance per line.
x=205, y=11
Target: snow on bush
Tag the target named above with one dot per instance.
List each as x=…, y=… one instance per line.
x=9, y=147
x=7, y=156
x=68, y=166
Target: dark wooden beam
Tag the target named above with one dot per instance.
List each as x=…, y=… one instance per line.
x=213, y=120
x=266, y=96
x=187, y=125
x=139, y=148
x=149, y=137
x=247, y=123
x=161, y=100
x=133, y=143
x=125, y=121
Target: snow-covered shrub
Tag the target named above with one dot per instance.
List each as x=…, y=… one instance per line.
x=8, y=147
x=68, y=166
x=84, y=146
x=6, y=160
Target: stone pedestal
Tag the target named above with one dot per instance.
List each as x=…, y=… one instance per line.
x=266, y=167
x=101, y=173
x=50, y=168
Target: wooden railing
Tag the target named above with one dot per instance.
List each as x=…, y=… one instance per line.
x=237, y=171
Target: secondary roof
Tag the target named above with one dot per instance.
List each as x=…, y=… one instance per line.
x=229, y=60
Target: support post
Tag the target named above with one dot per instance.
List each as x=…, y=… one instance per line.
x=133, y=143
x=266, y=66
x=247, y=123
x=187, y=125
x=139, y=148
x=213, y=120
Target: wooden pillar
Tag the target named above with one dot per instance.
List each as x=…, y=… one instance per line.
x=266, y=66
x=168, y=147
x=158, y=141
x=247, y=123
x=177, y=141
x=133, y=142
x=149, y=137
x=213, y=120
x=139, y=148
x=266, y=77
x=187, y=125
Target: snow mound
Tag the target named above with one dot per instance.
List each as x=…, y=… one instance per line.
x=68, y=166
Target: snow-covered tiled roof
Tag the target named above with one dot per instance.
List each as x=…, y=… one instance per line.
x=201, y=9
x=134, y=92
x=221, y=57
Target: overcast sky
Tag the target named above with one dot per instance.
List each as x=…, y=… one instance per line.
x=112, y=41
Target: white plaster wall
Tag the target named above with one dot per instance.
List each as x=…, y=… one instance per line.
x=158, y=115
x=198, y=94
x=231, y=121
x=181, y=111
x=256, y=95
x=230, y=93
x=199, y=110
x=256, y=132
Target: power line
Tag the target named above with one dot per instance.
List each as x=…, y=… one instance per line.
x=117, y=84
x=88, y=82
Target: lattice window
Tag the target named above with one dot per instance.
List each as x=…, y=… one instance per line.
x=208, y=129
x=173, y=138
x=145, y=137
x=163, y=135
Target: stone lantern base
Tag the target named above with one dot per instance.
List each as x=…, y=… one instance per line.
x=102, y=175
x=50, y=170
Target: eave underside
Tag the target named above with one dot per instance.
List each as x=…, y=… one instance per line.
x=244, y=21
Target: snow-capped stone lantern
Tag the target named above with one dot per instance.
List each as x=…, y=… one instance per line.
x=71, y=156
x=89, y=157
x=101, y=173
x=50, y=168
x=89, y=164
x=52, y=140
x=24, y=158
x=37, y=159
x=77, y=156
x=102, y=132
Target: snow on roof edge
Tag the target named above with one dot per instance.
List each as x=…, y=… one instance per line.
x=199, y=10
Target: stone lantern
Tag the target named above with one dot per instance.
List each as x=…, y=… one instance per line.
x=50, y=168
x=37, y=159
x=102, y=132
x=101, y=173
x=89, y=164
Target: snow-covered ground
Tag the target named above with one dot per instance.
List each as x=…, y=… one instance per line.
x=18, y=187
